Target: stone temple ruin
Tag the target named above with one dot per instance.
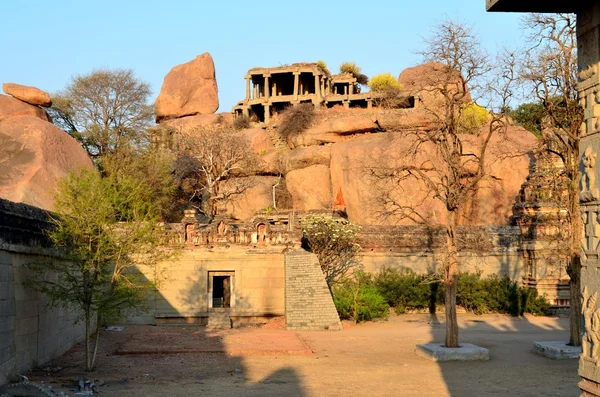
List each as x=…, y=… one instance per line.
x=270, y=90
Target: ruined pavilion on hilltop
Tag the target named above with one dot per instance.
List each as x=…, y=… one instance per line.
x=270, y=90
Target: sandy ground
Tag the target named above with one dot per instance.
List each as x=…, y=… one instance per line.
x=374, y=359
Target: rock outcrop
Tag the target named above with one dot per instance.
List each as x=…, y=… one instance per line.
x=422, y=80
x=508, y=159
x=257, y=196
x=310, y=188
x=10, y=107
x=188, y=89
x=334, y=130
x=34, y=155
x=31, y=95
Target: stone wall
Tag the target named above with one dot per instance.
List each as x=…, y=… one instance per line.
x=308, y=303
x=183, y=285
x=31, y=333
x=489, y=249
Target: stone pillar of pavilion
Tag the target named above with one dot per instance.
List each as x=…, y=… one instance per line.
x=296, y=84
x=588, y=37
x=267, y=87
x=247, y=88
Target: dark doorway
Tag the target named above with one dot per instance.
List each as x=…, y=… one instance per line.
x=221, y=294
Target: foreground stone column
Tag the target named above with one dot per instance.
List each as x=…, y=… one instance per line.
x=588, y=32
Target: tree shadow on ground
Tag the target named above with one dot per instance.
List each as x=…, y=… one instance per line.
x=513, y=369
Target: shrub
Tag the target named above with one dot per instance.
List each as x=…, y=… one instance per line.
x=296, y=119
x=472, y=293
x=362, y=79
x=383, y=81
x=241, y=122
x=473, y=117
x=322, y=65
x=403, y=289
x=350, y=68
x=358, y=299
x=390, y=98
x=333, y=240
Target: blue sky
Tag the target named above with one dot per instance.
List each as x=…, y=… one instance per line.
x=44, y=43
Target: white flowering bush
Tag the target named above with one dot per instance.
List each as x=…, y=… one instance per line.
x=334, y=241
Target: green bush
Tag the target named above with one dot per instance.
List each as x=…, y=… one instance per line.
x=405, y=290
x=383, y=81
x=358, y=299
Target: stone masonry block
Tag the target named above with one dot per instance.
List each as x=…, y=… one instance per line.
x=6, y=273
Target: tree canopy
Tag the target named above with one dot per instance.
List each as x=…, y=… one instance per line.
x=104, y=110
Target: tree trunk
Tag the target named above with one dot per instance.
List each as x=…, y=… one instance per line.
x=88, y=366
x=93, y=364
x=575, y=301
x=451, y=281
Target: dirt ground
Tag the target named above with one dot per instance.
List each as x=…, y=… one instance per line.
x=375, y=359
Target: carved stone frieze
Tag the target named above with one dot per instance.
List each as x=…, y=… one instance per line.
x=591, y=315
x=588, y=189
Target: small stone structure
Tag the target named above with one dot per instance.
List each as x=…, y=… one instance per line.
x=542, y=217
x=31, y=333
x=308, y=302
x=271, y=90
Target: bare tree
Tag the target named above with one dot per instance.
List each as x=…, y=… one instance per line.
x=549, y=72
x=214, y=162
x=104, y=110
x=456, y=160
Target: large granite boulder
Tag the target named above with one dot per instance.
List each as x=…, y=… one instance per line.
x=189, y=123
x=10, y=107
x=508, y=160
x=34, y=155
x=31, y=95
x=188, y=89
x=334, y=130
x=303, y=157
x=310, y=188
x=424, y=81
x=257, y=196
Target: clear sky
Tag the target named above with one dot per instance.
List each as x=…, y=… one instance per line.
x=44, y=43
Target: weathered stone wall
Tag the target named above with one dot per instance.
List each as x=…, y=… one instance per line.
x=491, y=250
x=183, y=295
x=31, y=333
x=308, y=303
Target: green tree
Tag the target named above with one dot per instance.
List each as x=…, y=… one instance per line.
x=334, y=241
x=529, y=116
x=109, y=233
x=104, y=110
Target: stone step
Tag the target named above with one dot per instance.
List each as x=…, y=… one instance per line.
x=219, y=321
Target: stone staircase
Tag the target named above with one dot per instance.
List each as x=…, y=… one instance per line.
x=276, y=139
x=219, y=320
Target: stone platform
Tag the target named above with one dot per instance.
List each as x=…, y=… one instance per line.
x=556, y=350
x=466, y=352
